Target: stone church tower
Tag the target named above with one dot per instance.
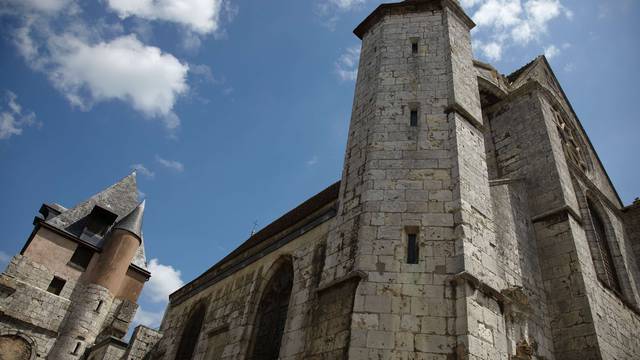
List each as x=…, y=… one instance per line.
x=71, y=293
x=473, y=220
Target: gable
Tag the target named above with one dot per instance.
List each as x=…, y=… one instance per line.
x=580, y=151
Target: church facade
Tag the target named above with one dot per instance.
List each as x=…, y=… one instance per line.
x=473, y=220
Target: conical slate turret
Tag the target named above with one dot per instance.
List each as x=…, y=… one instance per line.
x=133, y=221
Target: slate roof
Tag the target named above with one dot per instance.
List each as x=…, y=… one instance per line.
x=262, y=242
x=120, y=198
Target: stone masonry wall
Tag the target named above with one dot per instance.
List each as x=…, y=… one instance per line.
x=527, y=145
x=28, y=309
x=571, y=317
x=616, y=316
x=232, y=304
x=631, y=217
x=520, y=135
x=37, y=275
x=430, y=179
x=526, y=313
x=142, y=342
x=525, y=149
x=402, y=175
x=82, y=322
x=107, y=351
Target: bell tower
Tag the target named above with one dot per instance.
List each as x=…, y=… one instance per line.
x=415, y=218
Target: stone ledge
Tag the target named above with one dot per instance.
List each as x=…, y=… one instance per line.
x=360, y=275
x=498, y=182
x=490, y=291
x=566, y=209
x=460, y=110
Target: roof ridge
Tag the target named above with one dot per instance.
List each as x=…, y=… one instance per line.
x=516, y=74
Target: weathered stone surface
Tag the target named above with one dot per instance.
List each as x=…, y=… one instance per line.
x=52, y=302
x=491, y=185
x=493, y=190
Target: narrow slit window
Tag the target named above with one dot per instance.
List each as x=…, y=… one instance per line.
x=56, y=285
x=99, y=307
x=76, y=350
x=413, y=252
x=413, y=121
x=414, y=47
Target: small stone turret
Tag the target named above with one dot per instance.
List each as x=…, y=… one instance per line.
x=125, y=238
x=91, y=301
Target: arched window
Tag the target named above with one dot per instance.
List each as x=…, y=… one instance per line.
x=272, y=315
x=14, y=347
x=191, y=333
x=602, y=258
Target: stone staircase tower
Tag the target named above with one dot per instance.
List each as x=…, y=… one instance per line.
x=91, y=301
x=415, y=219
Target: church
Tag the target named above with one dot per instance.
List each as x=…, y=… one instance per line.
x=473, y=221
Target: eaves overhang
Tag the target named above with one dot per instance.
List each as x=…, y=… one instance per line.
x=40, y=223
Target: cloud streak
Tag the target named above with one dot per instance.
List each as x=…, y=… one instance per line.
x=13, y=119
x=505, y=23
x=170, y=164
x=201, y=16
x=149, y=319
x=165, y=279
x=123, y=69
x=346, y=66
x=98, y=62
x=141, y=169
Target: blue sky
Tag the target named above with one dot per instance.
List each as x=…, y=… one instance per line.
x=235, y=111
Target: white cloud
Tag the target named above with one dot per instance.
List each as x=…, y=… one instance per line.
x=149, y=319
x=498, y=13
x=201, y=16
x=43, y=6
x=570, y=67
x=346, y=4
x=491, y=50
x=170, y=164
x=469, y=3
x=504, y=23
x=4, y=260
x=123, y=69
x=95, y=62
x=203, y=72
x=313, y=161
x=140, y=168
x=165, y=279
x=330, y=11
x=13, y=119
x=347, y=64
x=191, y=41
x=551, y=51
